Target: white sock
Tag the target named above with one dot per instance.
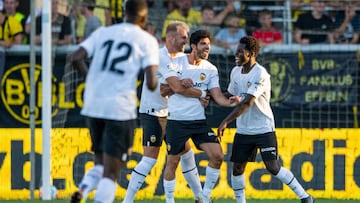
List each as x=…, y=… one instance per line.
x=190, y=172
x=105, y=192
x=91, y=180
x=238, y=185
x=169, y=187
x=212, y=175
x=289, y=179
x=137, y=178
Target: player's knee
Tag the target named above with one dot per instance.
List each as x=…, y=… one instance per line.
x=273, y=169
x=238, y=170
x=172, y=163
x=217, y=159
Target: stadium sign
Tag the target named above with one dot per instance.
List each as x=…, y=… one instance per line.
x=325, y=161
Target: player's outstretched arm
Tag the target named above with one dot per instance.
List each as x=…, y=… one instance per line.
x=239, y=109
x=224, y=100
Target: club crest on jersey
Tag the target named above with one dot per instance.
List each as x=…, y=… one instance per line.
x=168, y=147
x=248, y=84
x=202, y=76
x=171, y=66
x=153, y=138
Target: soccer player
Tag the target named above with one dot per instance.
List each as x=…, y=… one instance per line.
x=118, y=53
x=153, y=113
x=255, y=126
x=186, y=117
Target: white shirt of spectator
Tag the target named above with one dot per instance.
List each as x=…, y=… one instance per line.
x=259, y=117
x=118, y=53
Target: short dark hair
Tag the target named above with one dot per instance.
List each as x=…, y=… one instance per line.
x=207, y=7
x=135, y=7
x=251, y=44
x=198, y=35
x=265, y=12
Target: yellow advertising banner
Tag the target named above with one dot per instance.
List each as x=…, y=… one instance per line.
x=325, y=161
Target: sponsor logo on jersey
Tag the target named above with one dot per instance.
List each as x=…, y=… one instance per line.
x=248, y=84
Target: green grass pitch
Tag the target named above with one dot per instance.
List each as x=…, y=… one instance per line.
x=191, y=201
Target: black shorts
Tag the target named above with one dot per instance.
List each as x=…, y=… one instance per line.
x=153, y=129
x=245, y=147
x=178, y=133
x=112, y=137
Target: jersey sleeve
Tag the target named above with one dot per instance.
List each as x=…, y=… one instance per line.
x=232, y=88
x=151, y=48
x=167, y=70
x=214, y=79
x=89, y=43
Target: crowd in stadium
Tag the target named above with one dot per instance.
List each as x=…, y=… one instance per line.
x=312, y=22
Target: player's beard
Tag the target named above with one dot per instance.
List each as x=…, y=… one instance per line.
x=203, y=54
x=181, y=48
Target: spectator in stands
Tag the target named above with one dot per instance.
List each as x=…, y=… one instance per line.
x=184, y=12
x=115, y=13
x=339, y=3
x=228, y=37
x=101, y=10
x=169, y=5
x=27, y=26
x=314, y=26
x=61, y=27
x=151, y=28
x=297, y=7
x=10, y=8
x=267, y=33
x=212, y=21
x=347, y=24
x=11, y=31
x=92, y=21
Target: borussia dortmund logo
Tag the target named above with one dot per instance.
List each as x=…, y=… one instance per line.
x=282, y=79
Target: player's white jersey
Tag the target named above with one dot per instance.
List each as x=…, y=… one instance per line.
x=152, y=102
x=259, y=117
x=205, y=77
x=118, y=53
